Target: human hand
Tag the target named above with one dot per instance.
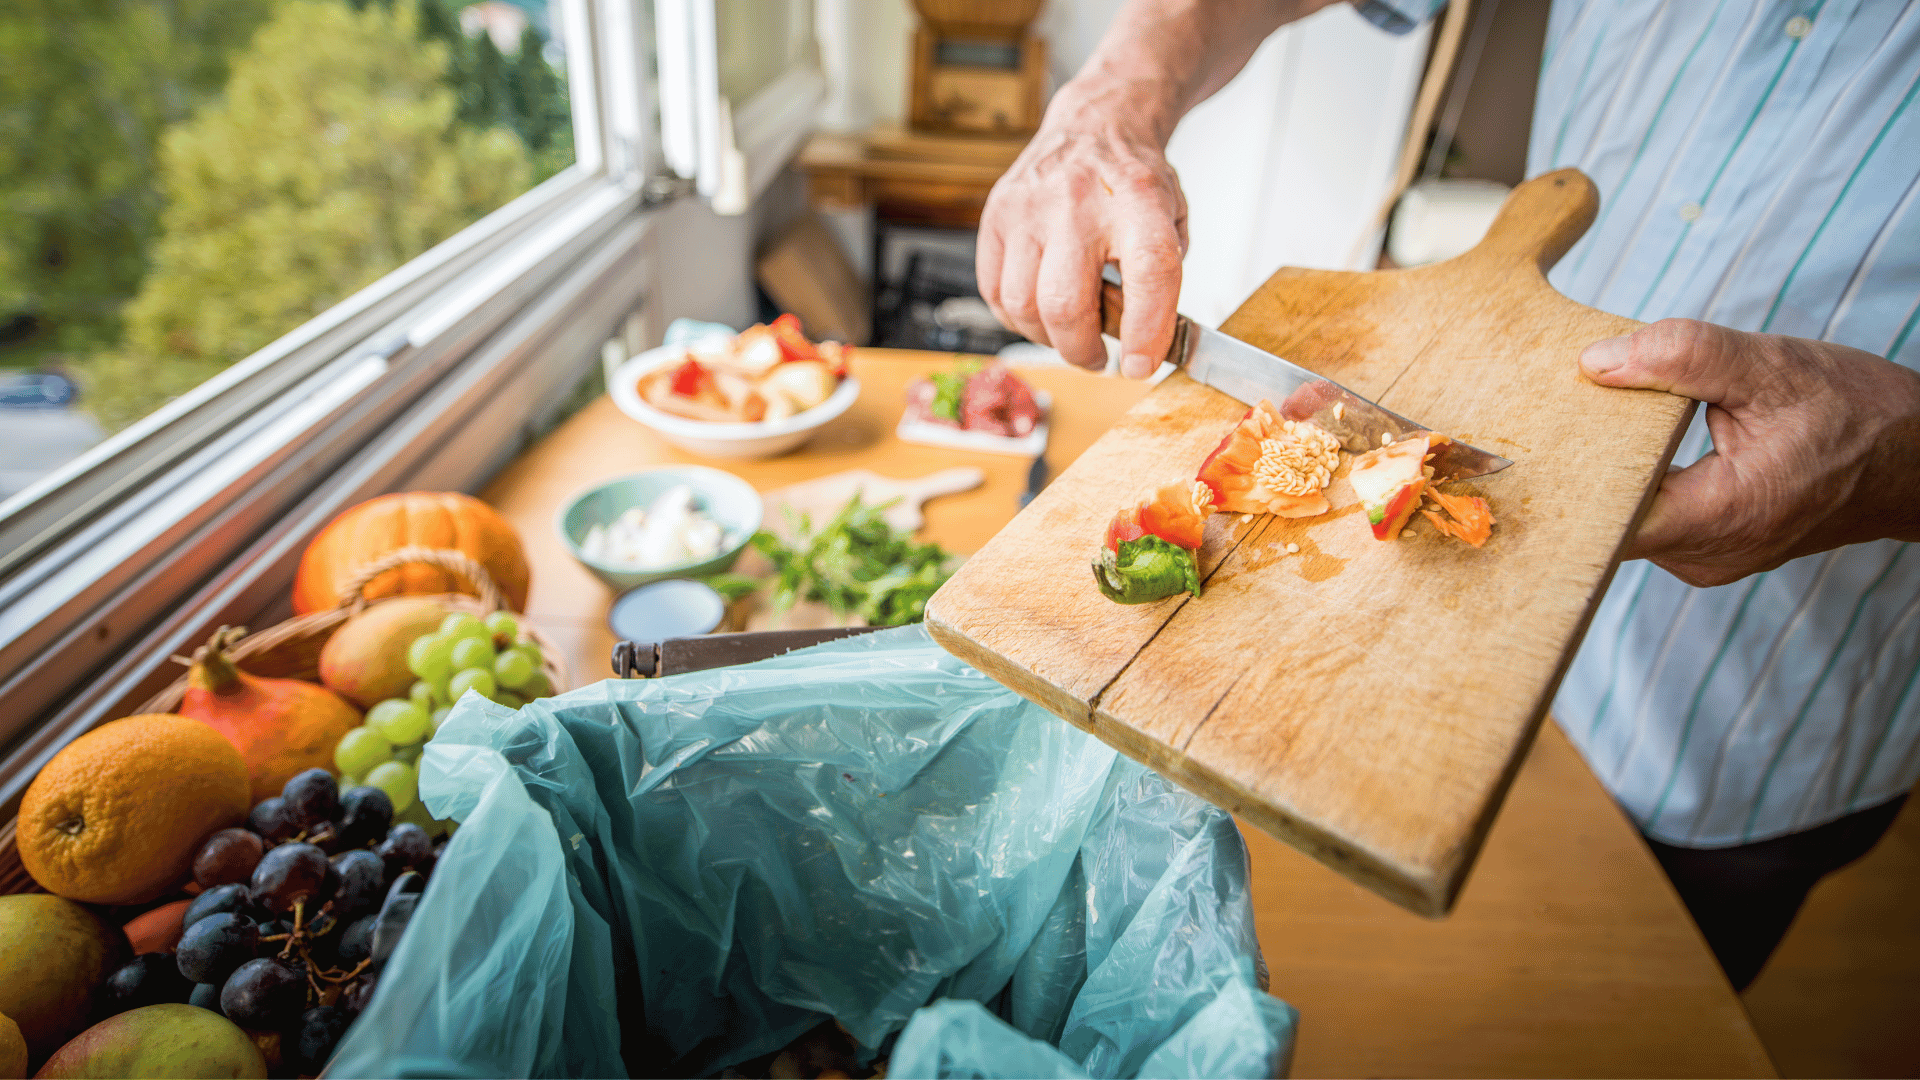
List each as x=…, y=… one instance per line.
x=1815, y=446
x=1092, y=187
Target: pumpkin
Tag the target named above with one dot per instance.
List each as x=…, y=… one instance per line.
x=430, y=519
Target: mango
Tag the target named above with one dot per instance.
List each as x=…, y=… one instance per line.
x=53, y=955
x=13, y=1050
x=159, y=1040
x=365, y=661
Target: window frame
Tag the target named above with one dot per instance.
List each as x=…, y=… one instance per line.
x=731, y=151
x=195, y=515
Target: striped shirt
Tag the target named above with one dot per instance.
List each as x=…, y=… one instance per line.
x=1759, y=167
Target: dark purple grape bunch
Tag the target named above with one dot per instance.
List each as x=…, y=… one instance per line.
x=297, y=914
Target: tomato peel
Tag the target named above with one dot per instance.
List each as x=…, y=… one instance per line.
x=687, y=377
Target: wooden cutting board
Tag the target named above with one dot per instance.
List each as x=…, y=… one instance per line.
x=823, y=497
x=1367, y=702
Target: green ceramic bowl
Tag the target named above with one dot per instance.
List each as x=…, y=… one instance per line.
x=723, y=496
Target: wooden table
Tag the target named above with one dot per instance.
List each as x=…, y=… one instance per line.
x=1568, y=955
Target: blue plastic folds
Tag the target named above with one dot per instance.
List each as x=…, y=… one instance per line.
x=675, y=876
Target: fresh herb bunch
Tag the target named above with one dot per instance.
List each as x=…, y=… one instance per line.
x=857, y=564
x=948, y=386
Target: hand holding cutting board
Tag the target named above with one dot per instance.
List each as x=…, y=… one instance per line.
x=1815, y=445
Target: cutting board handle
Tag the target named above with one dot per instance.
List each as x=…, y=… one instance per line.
x=1540, y=220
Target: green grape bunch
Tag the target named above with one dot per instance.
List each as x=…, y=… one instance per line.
x=492, y=657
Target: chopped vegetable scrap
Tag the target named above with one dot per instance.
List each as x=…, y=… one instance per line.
x=1390, y=481
x=1151, y=547
x=976, y=396
x=1267, y=465
x=827, y=1052
x=766, y=373
x=1467, y=517
x=857, y=564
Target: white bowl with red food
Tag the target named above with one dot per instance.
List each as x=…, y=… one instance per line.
x=756, y=394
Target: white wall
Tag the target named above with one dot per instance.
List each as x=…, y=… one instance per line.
x=1285, y=166
x=1288, y=164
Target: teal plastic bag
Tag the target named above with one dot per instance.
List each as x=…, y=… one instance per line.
x=674, y=876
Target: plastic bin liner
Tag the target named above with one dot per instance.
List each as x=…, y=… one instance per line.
x=674, y=876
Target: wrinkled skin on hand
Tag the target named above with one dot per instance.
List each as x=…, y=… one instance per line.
x=1815, y=446
x=1092, y=187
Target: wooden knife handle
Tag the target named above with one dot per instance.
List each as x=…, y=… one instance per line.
x=1111, y=304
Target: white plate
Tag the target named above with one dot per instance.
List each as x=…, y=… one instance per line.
x=762, y=440
x=1032, y=444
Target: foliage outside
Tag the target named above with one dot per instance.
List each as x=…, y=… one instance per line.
x=348, y=139
x=86, y=90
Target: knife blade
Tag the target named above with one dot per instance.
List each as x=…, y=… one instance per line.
x=1248, y=373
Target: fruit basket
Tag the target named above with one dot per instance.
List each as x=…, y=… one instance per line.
x=291, y=650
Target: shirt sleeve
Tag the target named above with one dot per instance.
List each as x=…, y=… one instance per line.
x=1397, y=16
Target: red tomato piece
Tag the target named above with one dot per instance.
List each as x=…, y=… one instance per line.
x=793, y=344
x=686, y=378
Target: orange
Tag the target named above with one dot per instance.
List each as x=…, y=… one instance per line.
x=116, y=816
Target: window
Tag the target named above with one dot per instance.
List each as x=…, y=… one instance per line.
x=740, y=83
x=193, y=180
x=293, y=253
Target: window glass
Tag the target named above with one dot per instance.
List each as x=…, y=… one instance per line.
x=183, y=181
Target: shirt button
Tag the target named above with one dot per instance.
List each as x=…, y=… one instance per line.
x=1690, y=211
x=1799, y=26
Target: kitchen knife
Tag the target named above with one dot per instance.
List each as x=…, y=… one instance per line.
x=674, y=656
x=1242, y=371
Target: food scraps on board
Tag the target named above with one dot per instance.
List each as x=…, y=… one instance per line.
x=1270, y=465
x=1267, y=465
x=1151, y=547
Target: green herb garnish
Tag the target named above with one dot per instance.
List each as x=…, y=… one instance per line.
x=948, y=387
x=857, y=564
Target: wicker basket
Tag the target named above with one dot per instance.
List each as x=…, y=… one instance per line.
x=291, y=650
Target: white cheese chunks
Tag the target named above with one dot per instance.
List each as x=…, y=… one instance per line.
x=669, y=532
